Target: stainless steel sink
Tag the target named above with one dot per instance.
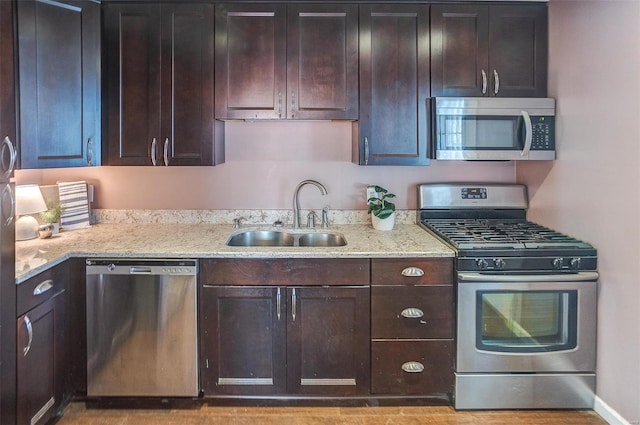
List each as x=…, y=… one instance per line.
x=261, y=238
x=321, y=239
x=279, y=238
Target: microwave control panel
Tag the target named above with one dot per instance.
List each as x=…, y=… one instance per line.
x=543, y=133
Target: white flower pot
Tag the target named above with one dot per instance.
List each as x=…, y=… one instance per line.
x=385, y=223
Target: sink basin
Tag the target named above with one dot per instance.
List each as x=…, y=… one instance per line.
x=321, y=239
x=261, y=238
x=278, y=238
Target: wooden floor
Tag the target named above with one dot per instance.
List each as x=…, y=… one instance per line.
x=77, y=414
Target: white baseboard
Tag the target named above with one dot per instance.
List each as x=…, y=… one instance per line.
x=607, y=413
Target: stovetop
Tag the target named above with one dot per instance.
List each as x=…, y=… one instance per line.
x=487, y=227
x=481, y=234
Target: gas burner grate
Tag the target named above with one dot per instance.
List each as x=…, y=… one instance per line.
x=500, y=233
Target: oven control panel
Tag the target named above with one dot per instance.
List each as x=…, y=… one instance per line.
x=520, y=264
x=474, y=193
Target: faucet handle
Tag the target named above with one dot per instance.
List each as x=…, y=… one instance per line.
x=325, y=216
x=236, y=222
x=311, y=219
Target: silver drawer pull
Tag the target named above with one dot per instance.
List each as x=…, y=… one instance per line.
x=412, y=313
x=43, y=287
x=413, y=272
x=413, y=367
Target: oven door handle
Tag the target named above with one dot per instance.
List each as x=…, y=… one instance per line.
x=556, y=277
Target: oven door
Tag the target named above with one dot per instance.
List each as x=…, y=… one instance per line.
x=526, y=323
x=494, y=128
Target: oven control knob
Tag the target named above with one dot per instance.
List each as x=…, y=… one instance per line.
x=558, y=263
x=576, y=263
x=499, y=263
x=482, y=263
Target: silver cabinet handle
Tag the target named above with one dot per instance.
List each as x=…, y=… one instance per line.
x=528, y=138
x=484, y=82
x=412, y=313
x=496, y=84
x=293, y=304
x=293, y=103
x=13, y=155
x=278, y=304
x=7, y=219
x=366, y=150
x=89, y=152
x=27, y=323
x=413, y=272
x=279, y=104
x=166, y=152
x=152, y=152
x=43, y=287
x=413, y=367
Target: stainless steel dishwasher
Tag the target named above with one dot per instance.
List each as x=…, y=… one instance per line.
x=142, y=328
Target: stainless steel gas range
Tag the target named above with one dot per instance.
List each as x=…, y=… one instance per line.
x=526, y=300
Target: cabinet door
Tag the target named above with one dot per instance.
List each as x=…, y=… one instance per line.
x=518, y=50
x=7, y=92
x=187, y=135
x=133, y=79
x=243, y=340
x=394, y=84
x=328, y=340
x=59, y=50
x=459, y=44
x=7, y=301
x=250, y=61
x=40, y=361
x=322, y=61
x=492, y=50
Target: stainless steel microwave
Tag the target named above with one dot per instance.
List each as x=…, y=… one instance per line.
x=494, y=129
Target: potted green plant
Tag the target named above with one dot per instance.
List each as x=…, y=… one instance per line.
x=52, y=214
x=382, y=211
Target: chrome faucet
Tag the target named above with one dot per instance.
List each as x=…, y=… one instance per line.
x=296, y=205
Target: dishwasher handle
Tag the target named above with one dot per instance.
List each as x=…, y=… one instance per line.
x=139, y=270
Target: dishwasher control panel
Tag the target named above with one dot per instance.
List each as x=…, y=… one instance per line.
x=142, y=266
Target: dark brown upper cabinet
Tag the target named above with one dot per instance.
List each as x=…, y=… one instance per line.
x=278, y=61
x=59, y=81
x=8, y=155
x=489, y=50
x=159, y=85
x=394, y=85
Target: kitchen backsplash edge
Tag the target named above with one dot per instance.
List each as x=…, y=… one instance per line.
x=249, y=217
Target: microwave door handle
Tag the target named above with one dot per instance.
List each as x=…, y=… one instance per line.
x=528, y=138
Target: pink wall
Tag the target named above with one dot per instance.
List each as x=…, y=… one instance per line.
x=265, y=162
x=592, y=191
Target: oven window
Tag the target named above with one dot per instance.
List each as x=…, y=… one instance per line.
x=526, y=321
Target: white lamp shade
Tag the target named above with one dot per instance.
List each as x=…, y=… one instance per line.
x=29, y=199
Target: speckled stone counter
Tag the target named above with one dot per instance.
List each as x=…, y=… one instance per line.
x=209, y=240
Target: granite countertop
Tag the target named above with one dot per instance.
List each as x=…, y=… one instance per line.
x=209, y=240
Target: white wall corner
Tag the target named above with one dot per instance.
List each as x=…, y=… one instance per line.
x=607, y=413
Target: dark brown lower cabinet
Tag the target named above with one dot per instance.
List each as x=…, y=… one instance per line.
x=244, y=340
x=41, y=361
x=285, y=340
x=412, y=311
x=420, y=367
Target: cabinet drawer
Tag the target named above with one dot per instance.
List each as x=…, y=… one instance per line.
x=39, y=289
x=411, y=312
x=412, y=367
x=285, y=272
x=412, y=271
